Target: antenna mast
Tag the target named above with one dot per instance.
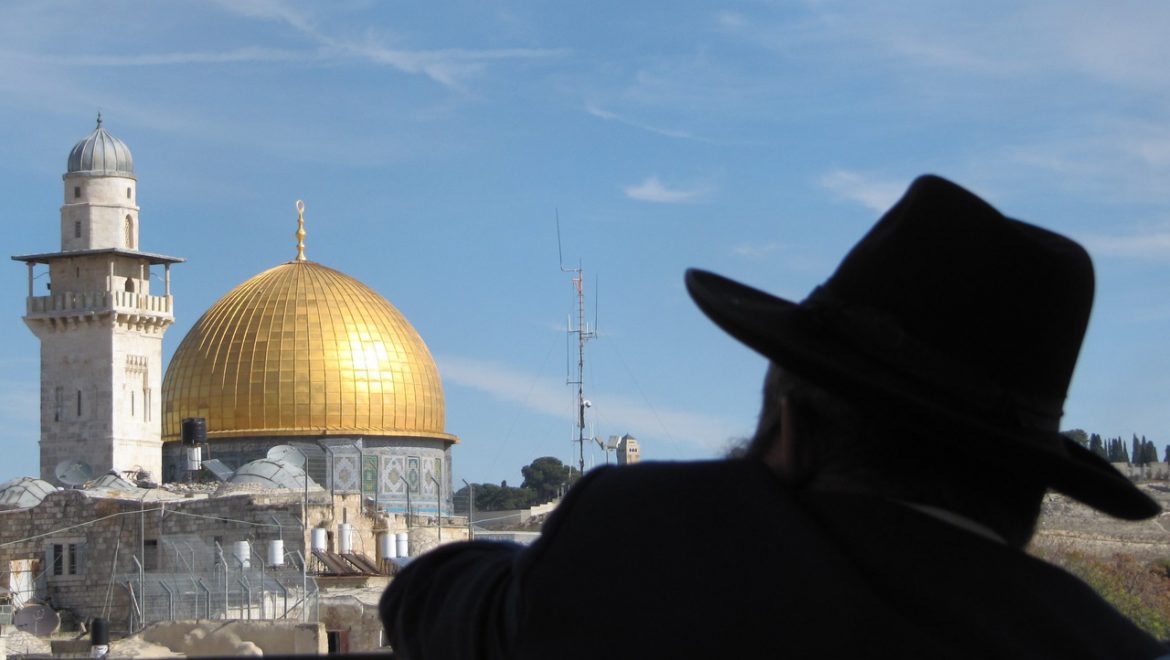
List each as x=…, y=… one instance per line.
x=584, y=334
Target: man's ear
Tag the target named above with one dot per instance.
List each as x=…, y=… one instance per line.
x=784, y=455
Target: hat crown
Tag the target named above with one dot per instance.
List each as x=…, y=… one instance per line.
x=1005, y=302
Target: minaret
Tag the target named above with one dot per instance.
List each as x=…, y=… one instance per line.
x=100, y=326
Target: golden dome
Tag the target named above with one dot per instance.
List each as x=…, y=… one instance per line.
x=304, y=350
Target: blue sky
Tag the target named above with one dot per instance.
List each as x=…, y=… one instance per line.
x=435, y=143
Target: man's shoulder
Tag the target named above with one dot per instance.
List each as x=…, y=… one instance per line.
x=635, y=499
x=679, y=474
x=679, y=484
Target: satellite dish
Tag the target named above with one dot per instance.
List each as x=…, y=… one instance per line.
x=73, y=472
x=287, y=454
x=39, y=620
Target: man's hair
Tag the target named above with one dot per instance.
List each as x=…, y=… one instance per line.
x=866, y=447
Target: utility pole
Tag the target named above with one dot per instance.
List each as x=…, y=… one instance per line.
x=584, y=334
x=470, y=509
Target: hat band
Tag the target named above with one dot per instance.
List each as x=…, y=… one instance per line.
x=881, y=338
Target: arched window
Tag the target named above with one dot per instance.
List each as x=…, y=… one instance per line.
x=129, y=233
x=130, y=285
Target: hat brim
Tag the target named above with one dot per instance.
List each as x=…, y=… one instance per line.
x=784, y=333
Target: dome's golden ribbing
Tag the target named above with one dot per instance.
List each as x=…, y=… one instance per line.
x=303, y=350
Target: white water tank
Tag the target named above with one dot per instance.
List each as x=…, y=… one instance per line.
x=402, y=539
x=320, y=539
x=242, y=551
x=344, y=538
x=276, y=552
x=194, y=459
x=386, y=546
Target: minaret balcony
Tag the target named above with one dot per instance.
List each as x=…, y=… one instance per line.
x=76, y=303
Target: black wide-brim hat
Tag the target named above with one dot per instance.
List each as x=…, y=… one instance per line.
x=956, y=317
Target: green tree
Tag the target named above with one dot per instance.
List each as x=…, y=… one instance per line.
x=490, y=497
x=1151, y=452
x=1078, y=436
x=1098, y=447
x=547, y=477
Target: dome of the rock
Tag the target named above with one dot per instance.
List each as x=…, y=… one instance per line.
x=304, y=350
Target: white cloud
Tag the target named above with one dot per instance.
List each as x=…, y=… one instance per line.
x=756, y=250
x=731, y=20
x=543, y=395
x=653, y=190
x=868, y=191
x=602, y=113
x=448, y=67
x=547, y=396
x=1152, y=245
x=163, y=59
x=271, y=10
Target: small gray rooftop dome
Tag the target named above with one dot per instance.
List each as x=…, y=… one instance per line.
x=268, y=473
x=24, y=493
x=100, y=153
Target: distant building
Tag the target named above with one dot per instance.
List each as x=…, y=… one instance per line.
x=307, y=356
x=628, y=451
x=300, y=354
x=99, y=324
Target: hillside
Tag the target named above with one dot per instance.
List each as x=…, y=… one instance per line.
x=1128, y=563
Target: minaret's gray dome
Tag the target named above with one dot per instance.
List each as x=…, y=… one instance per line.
x=100, y=153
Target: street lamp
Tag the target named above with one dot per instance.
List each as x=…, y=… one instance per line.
x=438, y=503
x=470, y=509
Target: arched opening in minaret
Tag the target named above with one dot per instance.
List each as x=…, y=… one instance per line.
x=129, y=285
x=129, y=233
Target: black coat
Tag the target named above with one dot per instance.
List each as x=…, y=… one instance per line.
x=721, y=560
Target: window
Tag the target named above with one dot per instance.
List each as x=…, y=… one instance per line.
x=131, y=403
x=76, y=229
x=150, y=558
x=59, y=403
x=338, y=641
x=129, y=233
x=127, y=193
x=79, y=403
x=66, y=558
x=76, y=192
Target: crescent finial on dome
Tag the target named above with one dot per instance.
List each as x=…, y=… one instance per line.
x=301, y=231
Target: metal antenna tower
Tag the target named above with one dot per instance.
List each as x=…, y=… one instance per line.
x=584, y=334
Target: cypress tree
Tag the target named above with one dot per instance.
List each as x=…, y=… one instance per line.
x=1098, y=448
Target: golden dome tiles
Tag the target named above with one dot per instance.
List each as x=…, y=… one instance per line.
x=302, y=349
